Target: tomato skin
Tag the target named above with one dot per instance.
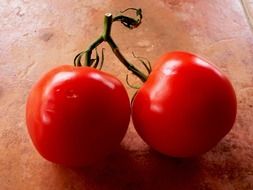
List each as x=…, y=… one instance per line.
x=76, y=116
x=185, y=107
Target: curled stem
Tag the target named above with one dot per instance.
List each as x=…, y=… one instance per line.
x=131, y=85
x=147, y=65
x=96, y=62
x=102, y=59
x=130, y=22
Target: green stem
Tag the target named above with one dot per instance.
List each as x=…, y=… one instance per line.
x=107, y=26
x=90, y=49
x=106, y=36
x=123, y=60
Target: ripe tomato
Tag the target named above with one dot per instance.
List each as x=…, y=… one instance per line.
x=76, y=116
x=185, y=107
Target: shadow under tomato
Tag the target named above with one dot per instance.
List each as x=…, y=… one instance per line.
x=134, y=170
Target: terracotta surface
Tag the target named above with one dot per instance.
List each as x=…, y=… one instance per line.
x=38, y=35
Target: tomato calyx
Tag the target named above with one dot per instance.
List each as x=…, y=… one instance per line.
x=128, y=22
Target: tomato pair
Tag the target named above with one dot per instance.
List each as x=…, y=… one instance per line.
x=78, y=115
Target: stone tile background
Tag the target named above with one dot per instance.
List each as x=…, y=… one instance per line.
x=38, y=35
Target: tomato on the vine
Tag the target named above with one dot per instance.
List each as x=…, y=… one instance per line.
x=185, y=107
x=76, y=116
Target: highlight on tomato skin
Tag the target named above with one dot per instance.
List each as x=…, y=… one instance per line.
x=76, y=116
x=185, y=107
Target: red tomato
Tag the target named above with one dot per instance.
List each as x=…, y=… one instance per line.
x=76, y=116
x=185, y=107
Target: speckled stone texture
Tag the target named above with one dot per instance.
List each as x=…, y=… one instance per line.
x=38, y=35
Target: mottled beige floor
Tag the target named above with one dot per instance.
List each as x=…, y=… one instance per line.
x=38, y=35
